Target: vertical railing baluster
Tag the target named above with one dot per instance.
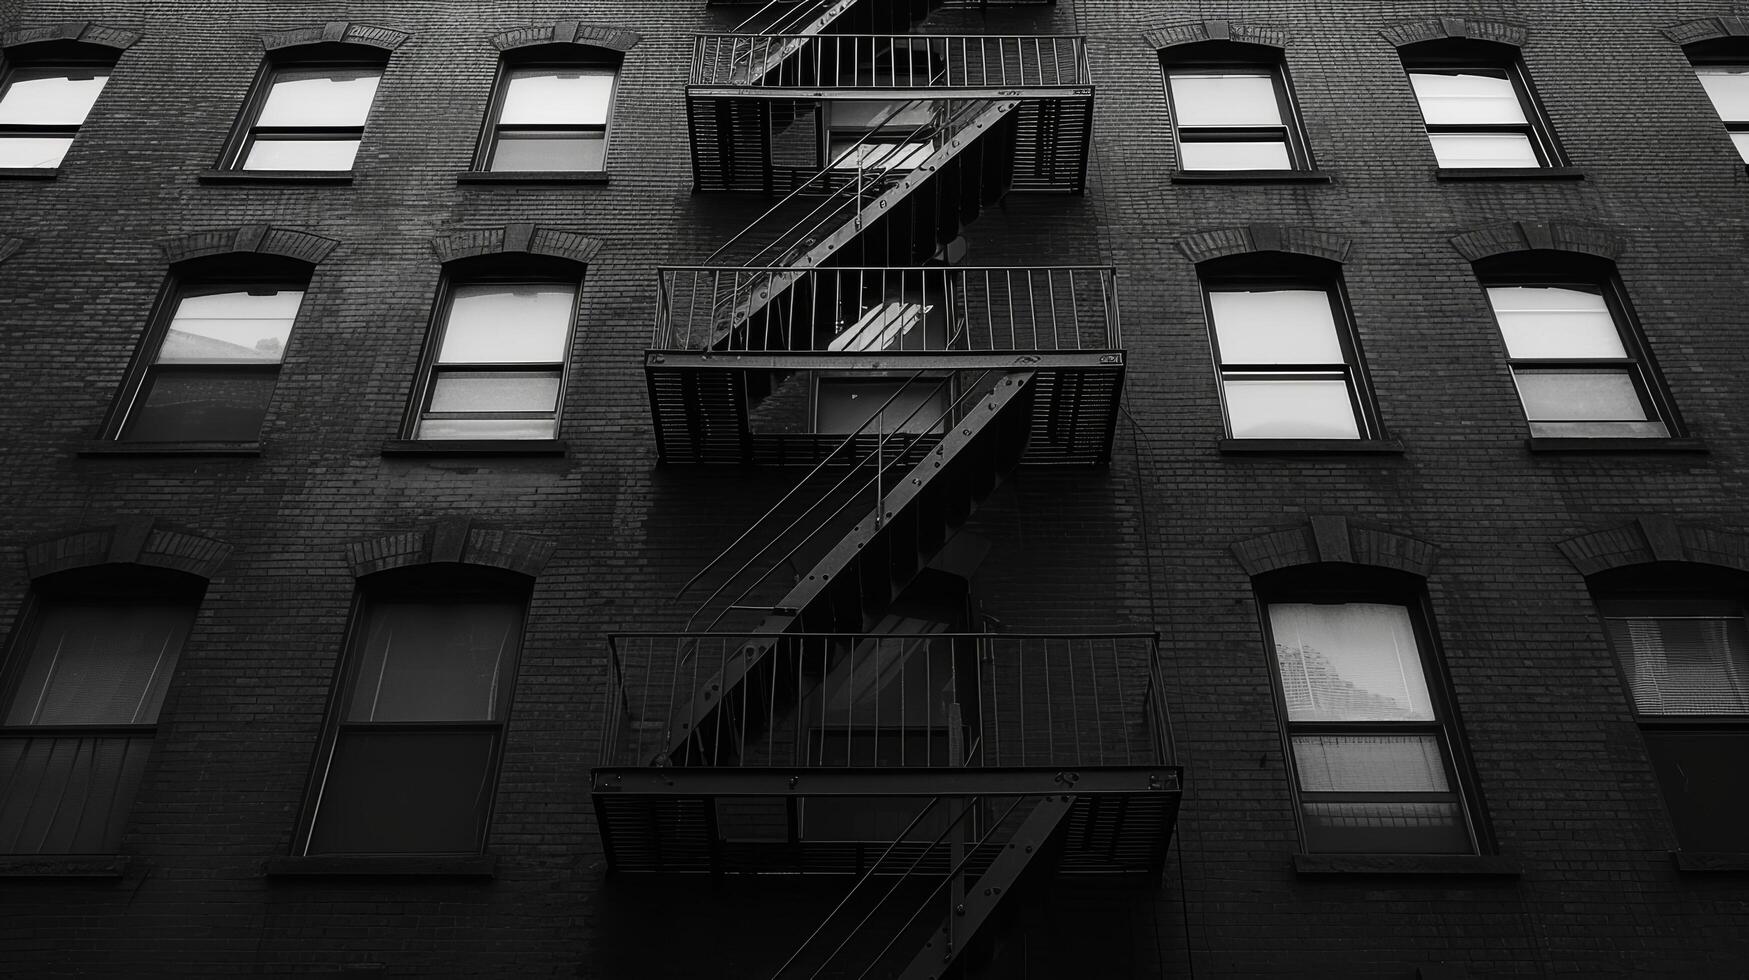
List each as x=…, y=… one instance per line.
x=1074, y=698
x=1031, y=300
x=1051, y=295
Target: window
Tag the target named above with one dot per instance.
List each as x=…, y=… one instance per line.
x=306, y=116
x=41, y=110
x=882, y=314
x=1478, y=106
x=550, y=117
x=1686, y=663
x=213, y=364
x=1371, y=747
x=1727, y=84
x=1578, y=363
x=497, y=361
x=412, y=759
x=86, y=679
x=1234, y=113
x=1289, y=366
x=878, y=135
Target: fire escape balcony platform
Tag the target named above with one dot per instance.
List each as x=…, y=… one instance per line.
x=889, y=66
x=745, y=360
x=890, y=781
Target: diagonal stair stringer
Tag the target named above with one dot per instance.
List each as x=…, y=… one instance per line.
x=999, y=424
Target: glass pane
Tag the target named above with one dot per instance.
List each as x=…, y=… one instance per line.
x=1463, y=150
x=405, y=793
x=239, y=326
x=843, y=406
x=1232, y=99
x=50, y=96
x=495, y=391
x=68, y=794
x=1589, y=394
x=1553, y=321
x=879, y=156
x=865, y=115
x=423, y=661
x=505, y=324
x=1684, y=665
x=546, y=152
x=201, y=406
x=557, y=96
x=338, y=97
x=1705, y=785
x=486, y=429
x=1386, y=827
x=1264, y=408
x=1728, y=87
x=1370, y=763
x=1741, y=142
x=33, y=151
x=1275, y=326
x=99, y=664
x=1235, y=155
x=295, y=154
x=1467, y=96
x=1349, y=661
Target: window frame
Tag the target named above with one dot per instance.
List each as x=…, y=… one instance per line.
x=1225, y=277
x=1575, y=273
x=438, y=582
x=175, y=592
x=49, y=56
x=1659, y=587
x=336, y=57
x=1722, y=53
x=1481, y=57
x=201, y=279
x=1221, y=58
x=1346, y=584
x=551, y=56
x=534, y=272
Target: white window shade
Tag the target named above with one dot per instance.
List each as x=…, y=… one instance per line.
x=1351, y=661
x=1684, y=665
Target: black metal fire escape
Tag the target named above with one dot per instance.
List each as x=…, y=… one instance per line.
x=814, y=724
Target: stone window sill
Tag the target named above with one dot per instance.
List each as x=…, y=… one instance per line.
x=382, y=866
x=1321, y=447
x=1710, y=861
x=475, y=447
x=1426, y=865
x=1580, y=444
x=1250, y=177
x=63, y=865
x=276, y=177
x=1509, y=173
x=533, y=177
x=107, y=447
x=29, y=173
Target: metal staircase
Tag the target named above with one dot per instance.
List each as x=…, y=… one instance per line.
x=814, y=723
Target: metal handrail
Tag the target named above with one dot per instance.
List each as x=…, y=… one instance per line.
x=890, y=61
x=875, y=455
x=851, y=187
x=986, y=309
x=933, y=699
x=796, y=13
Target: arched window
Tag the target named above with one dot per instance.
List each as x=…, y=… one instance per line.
x=550, y=110
x=210, y=359
x=1233, y=108
x=85, y=678
x=1680, y=634
x=1373, y=744
x=409, y=763
x=47, y=89
x=307, y=110
x=1480, y=109
x=1574, y=347
x=1722, y=65
x=1284, y=344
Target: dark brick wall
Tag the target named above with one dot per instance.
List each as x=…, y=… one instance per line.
x=1143, y=544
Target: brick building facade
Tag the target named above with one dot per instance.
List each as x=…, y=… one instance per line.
x=256, y=430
